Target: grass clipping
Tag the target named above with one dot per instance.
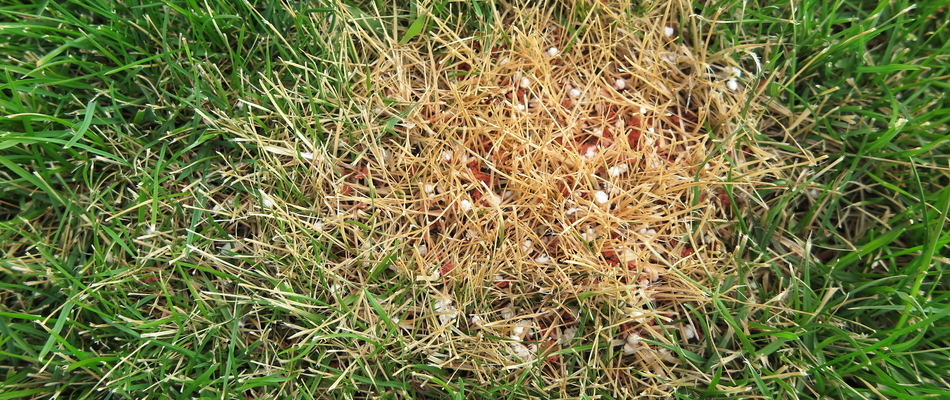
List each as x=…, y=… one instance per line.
x=543, y=191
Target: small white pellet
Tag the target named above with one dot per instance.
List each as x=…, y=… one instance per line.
x=465, y=205
x=517, y=332
x=591, y=152
x=668, y=31
x=633, y=339
x=525, y=82
x=590, y=235
x=447, y=312
x=689, y=332
x=522, y=352
x=619, y=84
x=618, y=170
x=527, y=245
x=509, y=311
x=575, y=93
x=567, y=334
x=552, y=52
x=732, y=84
x=601, y=197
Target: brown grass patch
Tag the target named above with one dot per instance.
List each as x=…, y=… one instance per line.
x=520, y=180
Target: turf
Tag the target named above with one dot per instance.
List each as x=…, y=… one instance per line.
x=164, y=235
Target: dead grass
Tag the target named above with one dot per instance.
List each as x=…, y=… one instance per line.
x=517, y=181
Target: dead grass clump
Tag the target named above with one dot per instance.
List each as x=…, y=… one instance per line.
x=528, y=177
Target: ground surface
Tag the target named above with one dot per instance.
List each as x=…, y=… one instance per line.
x=600, y=199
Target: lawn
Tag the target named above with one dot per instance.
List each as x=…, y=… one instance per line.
x=463, y=199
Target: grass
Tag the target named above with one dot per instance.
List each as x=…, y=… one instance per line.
x=168, y=171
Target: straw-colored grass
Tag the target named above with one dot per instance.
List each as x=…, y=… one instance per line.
x=521, y=176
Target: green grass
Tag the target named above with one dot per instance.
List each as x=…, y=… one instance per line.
x=117, y=280
x=854, y=248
